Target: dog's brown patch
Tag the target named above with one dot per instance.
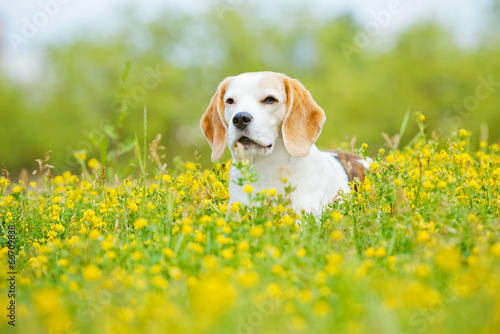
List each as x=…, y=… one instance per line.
x=352, y=165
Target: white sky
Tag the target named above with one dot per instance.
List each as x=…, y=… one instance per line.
x=464, y=17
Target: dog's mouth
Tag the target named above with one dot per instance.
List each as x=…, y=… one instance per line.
x=249, y=143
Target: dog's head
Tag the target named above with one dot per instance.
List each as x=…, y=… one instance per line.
x=255, y=109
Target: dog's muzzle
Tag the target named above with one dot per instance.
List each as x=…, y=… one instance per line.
x=249, y=143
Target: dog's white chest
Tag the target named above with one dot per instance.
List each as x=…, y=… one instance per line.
x=317, y=179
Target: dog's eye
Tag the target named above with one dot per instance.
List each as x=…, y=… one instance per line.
x=269, y=100
x=230, y=101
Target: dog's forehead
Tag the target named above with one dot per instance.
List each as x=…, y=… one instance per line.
x=256, y=82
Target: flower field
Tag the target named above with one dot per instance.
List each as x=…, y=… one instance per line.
x=415, y=250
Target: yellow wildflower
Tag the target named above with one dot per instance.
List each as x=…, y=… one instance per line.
x=448, y=259
x=140, y=223
x=256, y=231
x=92, y=273
x=160, y=282
x=93, y=163
x=423, y=236
x=321, y=308
x=336, y=235
x=248, y=189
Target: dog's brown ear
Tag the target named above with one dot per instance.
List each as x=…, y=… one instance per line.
x=212, y=122
x=303, y=120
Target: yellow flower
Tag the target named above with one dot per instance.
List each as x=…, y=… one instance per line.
x=47, y=301
x=80, y=155
x=93, y=163
x=336, y=235
x=196, y=247
x=441, y=184
x=175, y=273
x=332, y=266
x=380, y=252
x=423, y=236
x=248, y=189
x=222, y=239
x=422, y=117
x=187, y=229
x=321, y=308
x=191, y=281
x=63, y=262
x=243, y=246
x=495, y=249
x=140, y=223
x=57, y=199
x=272, y=192
x=374, y=166
x=248, y=279
x=160, y=282
x=111, y=254
x=448, y=259
x=305, y=296
x=94, y=234
x=301, y=252
x=235, y=207
x=256, y=231
x=133, y=207
x=205, y=219
x=274, y=290
x=137, y=256
x=422, y=270
x=227, y=254
x=155, y=269
x=168, y=252
x=212, y=295
x=463, y=133
x=220, y=222
x=287, y=220
x=210, y=262
x=74, y=286
x=166, y=178
x=336, y=216
x=4, y=182
x=107, y=243
x=370, y=252
x=91, y=273
x=278, y=270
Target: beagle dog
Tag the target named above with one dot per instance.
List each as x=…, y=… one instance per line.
x=272, y=121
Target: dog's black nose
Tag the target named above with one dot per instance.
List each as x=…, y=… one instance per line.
x=242, y=119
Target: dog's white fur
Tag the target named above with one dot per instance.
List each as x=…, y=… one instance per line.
x=282, y=135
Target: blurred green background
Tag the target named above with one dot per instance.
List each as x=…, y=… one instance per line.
x=82, y=100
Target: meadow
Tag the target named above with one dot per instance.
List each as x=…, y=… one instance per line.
x=415, y=250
